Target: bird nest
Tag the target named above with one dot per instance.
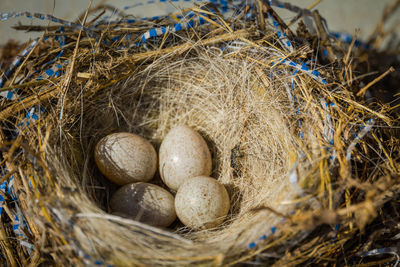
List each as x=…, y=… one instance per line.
x=293, y=140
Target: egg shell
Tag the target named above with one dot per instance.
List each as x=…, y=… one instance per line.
x=183, y=154
x=201, y=203
x=144, y=202
x=126, y=158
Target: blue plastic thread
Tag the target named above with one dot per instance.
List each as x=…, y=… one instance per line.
x=3, y=186
x=9, y=15
x=16, y=62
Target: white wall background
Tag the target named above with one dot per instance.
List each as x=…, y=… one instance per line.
x=342, y=15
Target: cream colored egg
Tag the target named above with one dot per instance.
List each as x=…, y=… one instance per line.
x=126, y=158
x=183, y=154
x=201, y=203
x=144, y=202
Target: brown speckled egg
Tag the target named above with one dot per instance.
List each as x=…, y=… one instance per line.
x=201, y=203
x=143, y=202
x=183, y=154
x=126, y=158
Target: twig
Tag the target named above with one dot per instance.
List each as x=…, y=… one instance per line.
x=184, y=47
x=96, y=18
x=261, y=15
x=276, y=17
x=36, y=28
x=242, y=14
x=25, y=59
x=365, y=88
x=97, y=7
x=348, y=68
x=4, y=240
x=324, y=35
x=28, y=84
x=27, y=102
x=347, y=57
x=8, y=175
x=316, y=2
x=387, y=13
x=67, y=81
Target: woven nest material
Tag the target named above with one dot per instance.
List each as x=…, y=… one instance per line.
x=297, y=150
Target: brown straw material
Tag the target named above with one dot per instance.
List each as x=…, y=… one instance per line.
x=308, y=165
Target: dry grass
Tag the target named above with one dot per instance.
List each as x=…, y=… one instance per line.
x=283, y=144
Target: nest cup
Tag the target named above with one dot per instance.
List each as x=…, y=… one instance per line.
x=250, y=123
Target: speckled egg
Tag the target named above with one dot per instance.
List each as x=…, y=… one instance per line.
x=201, y=203
x=183, y=154
x=126, y=158
x=144, y=202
